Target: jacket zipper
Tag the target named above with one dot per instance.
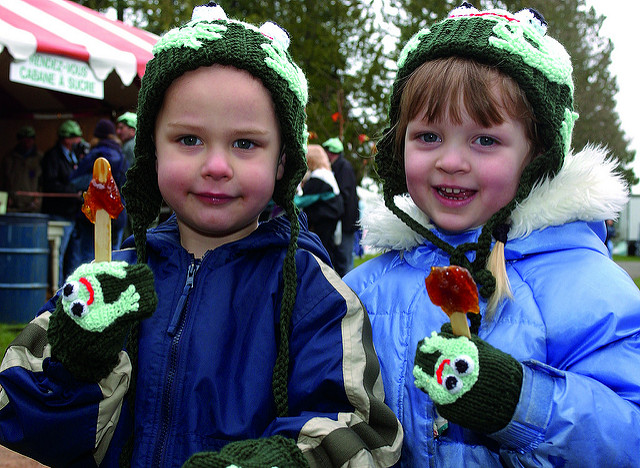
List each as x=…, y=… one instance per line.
x=175, y=330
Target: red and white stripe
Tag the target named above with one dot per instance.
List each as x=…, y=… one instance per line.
x=65, y=28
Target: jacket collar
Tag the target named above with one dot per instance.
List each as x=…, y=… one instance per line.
x=587, y=188
x=275, y=233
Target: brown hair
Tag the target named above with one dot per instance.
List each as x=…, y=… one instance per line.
x=445, y=87
x=317, y=158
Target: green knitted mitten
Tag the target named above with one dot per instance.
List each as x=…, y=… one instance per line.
x=97, y=307
x=275, y=451
x=471, y=383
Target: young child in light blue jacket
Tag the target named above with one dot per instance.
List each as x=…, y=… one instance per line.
x=477, y=171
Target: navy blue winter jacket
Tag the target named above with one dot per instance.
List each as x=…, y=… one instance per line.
x=206, y=360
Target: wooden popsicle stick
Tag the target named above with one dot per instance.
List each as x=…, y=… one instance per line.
x=454, y=290
x=102, y=228
x=459, y=324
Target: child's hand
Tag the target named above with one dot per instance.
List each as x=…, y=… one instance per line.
x=97, y=306
x=255, y=453
x=472, y=383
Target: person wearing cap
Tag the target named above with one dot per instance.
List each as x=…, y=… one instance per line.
x=126, y=130
x=20, y=170
x=105, y=144
x=213, y=339
x=478, y=173
x=57, y=165
x=346, y=177
x=321, y=199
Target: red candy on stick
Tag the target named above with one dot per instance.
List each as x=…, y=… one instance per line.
x=101, y=203
x=453, y=289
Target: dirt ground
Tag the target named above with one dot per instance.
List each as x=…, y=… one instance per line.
x=9, y=459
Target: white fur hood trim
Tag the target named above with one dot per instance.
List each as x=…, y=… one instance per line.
x=587, y=188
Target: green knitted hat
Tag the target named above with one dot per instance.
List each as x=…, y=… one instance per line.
x=333, y=145
x=26, y=132
x=69, y=128
x=129, y=119
x=516, y=45
x=211, y=38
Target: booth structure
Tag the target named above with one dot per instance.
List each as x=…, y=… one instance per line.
x=60, y=60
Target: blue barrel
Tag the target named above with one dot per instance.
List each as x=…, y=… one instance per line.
x=24, y=264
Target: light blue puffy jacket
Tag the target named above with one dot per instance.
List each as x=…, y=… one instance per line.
x=573, y=323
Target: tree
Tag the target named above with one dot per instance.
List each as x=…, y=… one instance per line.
x=102, y=5
x=334, y=43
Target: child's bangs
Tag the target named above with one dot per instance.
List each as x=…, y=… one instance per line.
x=449, y=88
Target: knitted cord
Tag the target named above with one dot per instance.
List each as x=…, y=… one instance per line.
x=280, y=376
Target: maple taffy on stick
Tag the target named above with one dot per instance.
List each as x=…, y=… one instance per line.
x=101, y=204
x=453, y=289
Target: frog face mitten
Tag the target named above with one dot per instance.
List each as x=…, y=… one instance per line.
x=97, y=306
x=472, y=383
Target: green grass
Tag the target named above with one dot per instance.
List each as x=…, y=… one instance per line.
x=624, y=258
x=357, y=261
x=7, y=333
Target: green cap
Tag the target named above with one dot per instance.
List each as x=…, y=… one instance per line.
x=129, y=119
x=333, y=145
x=69, y=129
x=26, y=131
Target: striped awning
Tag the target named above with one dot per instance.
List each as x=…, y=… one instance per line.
x=67, y=29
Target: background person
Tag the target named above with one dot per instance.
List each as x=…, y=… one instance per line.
x=346, y=178
x=58, y=163
x=323, y=202
x=20, y=170
x=126, y=131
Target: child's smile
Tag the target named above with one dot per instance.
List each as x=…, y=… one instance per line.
x=460, y=174
x=454, y=196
